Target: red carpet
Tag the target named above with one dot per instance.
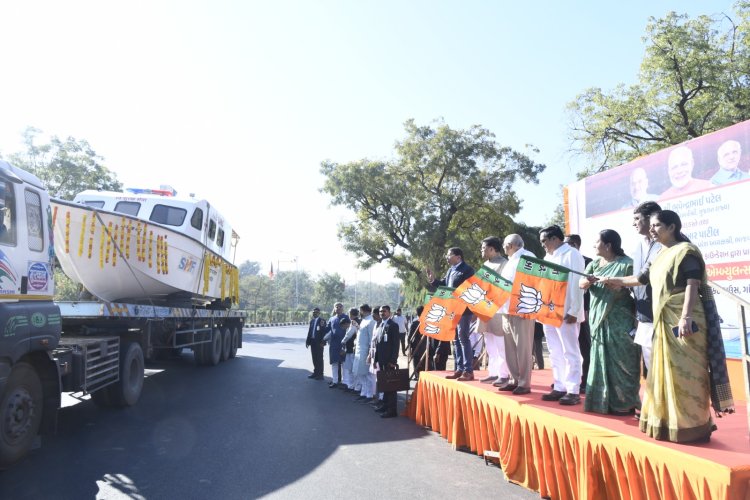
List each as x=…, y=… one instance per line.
x=563, y=452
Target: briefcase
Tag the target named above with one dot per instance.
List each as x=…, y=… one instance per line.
x=393, y=379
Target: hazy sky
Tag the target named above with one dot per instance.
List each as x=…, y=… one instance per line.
x=239, y=101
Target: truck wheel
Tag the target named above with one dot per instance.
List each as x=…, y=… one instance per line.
x=226, y=343
x=127, y=391
x=235, y=341
x=216, y=348
x=20, y=413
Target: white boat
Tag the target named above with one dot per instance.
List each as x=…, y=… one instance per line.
x=156, y=248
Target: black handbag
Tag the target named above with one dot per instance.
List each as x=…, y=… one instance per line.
x=392, y=380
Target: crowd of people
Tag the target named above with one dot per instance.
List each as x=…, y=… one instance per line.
x=360, y=344
x=650, y=313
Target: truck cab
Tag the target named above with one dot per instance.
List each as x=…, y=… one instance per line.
x=30, y=323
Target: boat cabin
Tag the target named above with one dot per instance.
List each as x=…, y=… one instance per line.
x=191, y=217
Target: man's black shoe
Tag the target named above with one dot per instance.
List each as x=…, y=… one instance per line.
x=508, y=387
x=380, y=410
x=318, y=377
x=360, y=399
x=519, y=391
x=312, y=375
x=331, y=385
x=553, y=396
x=570, y=399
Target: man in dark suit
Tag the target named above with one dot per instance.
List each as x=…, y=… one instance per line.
x=458, y=272
x=386, y=356
x=315, y=332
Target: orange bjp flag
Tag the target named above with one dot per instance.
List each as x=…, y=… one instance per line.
x=539, y=291
x=441, y=315
x=484, y=292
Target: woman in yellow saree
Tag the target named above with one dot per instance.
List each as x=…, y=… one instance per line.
x=688, y=367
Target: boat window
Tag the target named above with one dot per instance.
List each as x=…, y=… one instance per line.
x=172, y=216
x=220, y=238
x=128, y=207
x=94, y=204
x=211, y=229
x=7, y=214
x=197, y=219
x=34, y=225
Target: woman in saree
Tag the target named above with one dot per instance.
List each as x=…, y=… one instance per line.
x=688, y=367
x=614, y=373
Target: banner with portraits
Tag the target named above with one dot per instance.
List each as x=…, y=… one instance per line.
x=705, y=181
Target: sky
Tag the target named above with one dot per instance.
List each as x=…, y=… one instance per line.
x=240, y=101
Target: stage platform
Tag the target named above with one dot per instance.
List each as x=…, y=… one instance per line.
x=564, y=453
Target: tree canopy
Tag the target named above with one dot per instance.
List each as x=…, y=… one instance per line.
x=445, y=187
x=694, y=79
x=65, y=167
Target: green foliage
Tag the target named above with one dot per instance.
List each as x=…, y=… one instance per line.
x=249, y=268
x=444, y=188
x=65, y=288
x=65, y=167
x=328, y=290
x=692, y=81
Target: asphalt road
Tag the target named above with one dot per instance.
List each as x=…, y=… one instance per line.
x=251, y=427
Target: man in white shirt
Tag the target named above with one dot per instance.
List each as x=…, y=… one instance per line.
x=401, y=322
x=644, y=253
x=564, y=351
x=497, y=368
x=519, y=332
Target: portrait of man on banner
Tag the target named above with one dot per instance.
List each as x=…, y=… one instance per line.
x=539, y=291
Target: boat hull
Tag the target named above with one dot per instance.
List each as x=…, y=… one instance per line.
x=121, y=258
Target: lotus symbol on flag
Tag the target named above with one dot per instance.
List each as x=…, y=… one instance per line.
x=473, y=295
x=432, y=329
x=436, y=313
x=530, y=300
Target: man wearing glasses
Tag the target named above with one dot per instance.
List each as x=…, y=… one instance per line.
x=386, y=356
x=458, y=272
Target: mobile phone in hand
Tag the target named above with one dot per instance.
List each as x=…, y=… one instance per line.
x=676, y=329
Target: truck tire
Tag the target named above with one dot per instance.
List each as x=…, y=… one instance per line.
x=214, y=355
x=20, y=413
x=235, y=342
x=226, y=343
x=127, y=391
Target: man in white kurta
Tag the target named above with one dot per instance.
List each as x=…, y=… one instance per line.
x=564, y=351
x=361, y=369
x=519, y=332
x=497, y=368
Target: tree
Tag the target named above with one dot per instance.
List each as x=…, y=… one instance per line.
x=65, y=167
x=693, y=80
x=445, y=188
x=329, y=289
x=249, y=268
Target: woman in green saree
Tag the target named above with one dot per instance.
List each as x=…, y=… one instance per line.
x=688, y=366
x=614, y=374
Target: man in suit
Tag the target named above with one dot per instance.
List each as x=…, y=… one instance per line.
x=458, y=272
x=315, y=332
x=386, y=356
